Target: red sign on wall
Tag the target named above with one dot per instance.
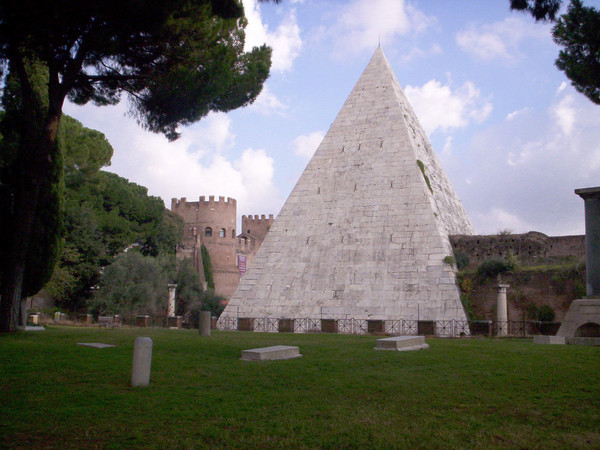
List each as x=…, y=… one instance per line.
x=242, y=264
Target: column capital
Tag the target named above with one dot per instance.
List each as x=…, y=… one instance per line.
x=502, y=286
x=589, y=193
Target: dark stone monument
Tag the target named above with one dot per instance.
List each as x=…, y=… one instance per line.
x=245, y=324
x=375, y=326
x=286, y=325
x=591, y=197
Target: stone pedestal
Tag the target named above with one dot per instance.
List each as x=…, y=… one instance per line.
x=204, y=323
x=582, y=319
x=142, y=362
x=245, y=324
x=426, y=327
x=329, y=326
x=174, y=322
x=285, y=325
x=502, y=310
x=375, y=326
x=142, y=321
x=85, y=319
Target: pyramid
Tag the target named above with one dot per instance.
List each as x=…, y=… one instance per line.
x=365, y=230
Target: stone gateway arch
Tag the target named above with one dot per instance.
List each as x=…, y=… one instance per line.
x=364, y=233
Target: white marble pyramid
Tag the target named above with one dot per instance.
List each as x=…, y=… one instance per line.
x=365, y=230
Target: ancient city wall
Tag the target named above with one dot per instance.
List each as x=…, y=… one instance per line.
x=530, y=248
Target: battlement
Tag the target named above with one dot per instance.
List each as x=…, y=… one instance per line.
x=183, y=203
x=256, y=218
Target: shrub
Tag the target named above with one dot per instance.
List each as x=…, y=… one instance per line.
x=491, y=268
x=462, y=260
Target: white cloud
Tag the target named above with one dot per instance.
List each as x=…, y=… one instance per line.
x=564, y=114
x=499, y=40
x=200, y=162
x=285, y=40
x=524, y=171
x=515, y=114
x=362, y=24
x=440, y=107
x=498, y=219
x=267, y=103
x=306, y=145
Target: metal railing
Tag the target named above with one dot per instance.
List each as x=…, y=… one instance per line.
x=397, y=327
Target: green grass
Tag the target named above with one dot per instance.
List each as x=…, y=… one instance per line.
x=477, y=393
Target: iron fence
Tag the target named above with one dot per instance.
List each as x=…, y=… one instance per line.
x=393, y=327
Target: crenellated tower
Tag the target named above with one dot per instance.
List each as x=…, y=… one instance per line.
x=211, y=223
x=257, y=226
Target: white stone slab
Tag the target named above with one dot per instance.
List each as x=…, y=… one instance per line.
x=95, y=344
x=401, y=343
x=275, y=352
x=540, y=339
x=32, y=328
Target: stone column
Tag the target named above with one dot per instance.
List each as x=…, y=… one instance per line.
x=204, y=323
x=591, y=197
x=502, y=310
x=171, y=306
x=142, y=362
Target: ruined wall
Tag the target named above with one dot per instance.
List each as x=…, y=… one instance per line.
x=555, y=288
x=530, y=248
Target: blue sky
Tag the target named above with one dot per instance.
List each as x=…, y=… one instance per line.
x=514, y=137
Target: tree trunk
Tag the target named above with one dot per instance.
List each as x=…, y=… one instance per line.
x=18, y=229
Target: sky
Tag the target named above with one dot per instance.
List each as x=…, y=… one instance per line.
x=514, y=137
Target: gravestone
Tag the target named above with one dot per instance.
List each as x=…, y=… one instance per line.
x=401, y=343
x=275, y=352
x=204, y=323
x=142, y=362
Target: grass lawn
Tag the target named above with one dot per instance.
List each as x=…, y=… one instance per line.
x=470, y=393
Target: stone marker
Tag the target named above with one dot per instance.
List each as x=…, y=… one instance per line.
x=204, y=323
x=95, y=344
x=541, y=339
x=271, y=353
x=401, y=343
x=142, y=362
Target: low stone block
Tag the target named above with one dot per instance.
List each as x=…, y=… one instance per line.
x=542, y=339
x=401, y=343
x=95, y=344
x=583, y=340
x=271, y=353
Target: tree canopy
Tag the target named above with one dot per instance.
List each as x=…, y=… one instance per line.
x=174, y=60
x=578, y=33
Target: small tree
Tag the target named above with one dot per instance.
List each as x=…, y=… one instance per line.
x=133, y=284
